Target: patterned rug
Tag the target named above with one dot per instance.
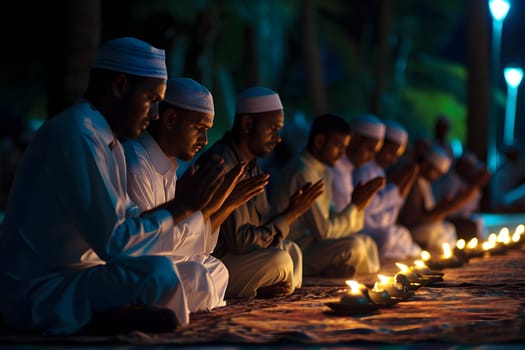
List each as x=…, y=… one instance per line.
x=481, y=302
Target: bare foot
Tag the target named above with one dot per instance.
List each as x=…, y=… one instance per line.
x=338, y=271
x=280, y=289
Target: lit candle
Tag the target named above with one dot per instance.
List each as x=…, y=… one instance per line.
x=427, y=275
x=355, y=295
x=447, y=259
x=378, y=295
x=516, y=240
x=472, y=248
x=459, y=250
x=411, y=275
x=393, y=288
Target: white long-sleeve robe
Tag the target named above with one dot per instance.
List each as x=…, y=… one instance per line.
x=394, y=241
x=152, y=181
x=69, y=196
x=328, y=238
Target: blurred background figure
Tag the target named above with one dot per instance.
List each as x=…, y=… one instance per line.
x=467, y=171
x=507, y=185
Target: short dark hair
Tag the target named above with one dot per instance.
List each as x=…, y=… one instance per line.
x=327, y=124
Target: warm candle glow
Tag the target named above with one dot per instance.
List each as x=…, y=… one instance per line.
x=519, y=229
x=516, y=236
x=385, y=279
x=402, y=267
x=473, y=243
x=447, y=253
x=377, y=288
x=503, y=236
x=493, y=238
x=489, y=244
x=354, y=286
x=425, y=255
x=460, y=244
x=419, y=263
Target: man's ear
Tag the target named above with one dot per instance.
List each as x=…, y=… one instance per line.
x=246, y=123
x=119, y=85
x=169, y=118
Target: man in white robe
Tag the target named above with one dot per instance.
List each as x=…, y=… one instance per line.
x=468, y=171
x=328, y=239
x=186, y=114
x=69, y=201
x=394, y=241
x=425, y=217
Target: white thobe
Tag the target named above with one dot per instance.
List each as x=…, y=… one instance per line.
x=342, y=183
x=394, y=241
x=326, y=237
x=69, y=196
x=152, y=181
x=454, y=185
x=430, y=235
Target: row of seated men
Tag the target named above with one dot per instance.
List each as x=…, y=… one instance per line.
x=97, y=220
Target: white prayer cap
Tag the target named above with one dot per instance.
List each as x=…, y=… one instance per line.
x=369, y=126
x=132, y=56
x=439, y=159
x=396, y=132
x=188, y=94
x=258, y=99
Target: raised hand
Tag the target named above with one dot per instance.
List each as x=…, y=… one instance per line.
x=363, y=193
x=198, y=184
x=229, y=182
x=247, y=189
x=303, y=199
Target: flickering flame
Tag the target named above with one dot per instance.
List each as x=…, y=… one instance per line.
x=378, y=288
x=516, y=236
x=425, y=255
x=419, y=263
x=385, y=279
x=460, y=244
x=473, y=243
x=519, y=229
x=402, y=267
x=490, y=243
x=503, y=236
x=354, y=286
x=447, y=253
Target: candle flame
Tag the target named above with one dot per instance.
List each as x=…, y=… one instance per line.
x=488, y=244
x=460, y=244
x=503, y=236
x=473, y=243
x=447, y=253
x=419, y=263
x=354, y=286
x=402, y=267
x=519, y=229
x=516, y=236
x=385, y=279
x=425, y=255
x=493, y=238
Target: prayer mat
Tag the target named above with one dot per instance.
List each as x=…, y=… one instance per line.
x=481, y=302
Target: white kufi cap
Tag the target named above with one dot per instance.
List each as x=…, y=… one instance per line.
x=369, y=126
x=258, y=99
x=186, y=93
x=132, y=56
x=439, y=159
x=395, y=132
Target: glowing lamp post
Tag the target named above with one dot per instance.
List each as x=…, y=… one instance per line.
x=498, y=10
x=513, y=78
